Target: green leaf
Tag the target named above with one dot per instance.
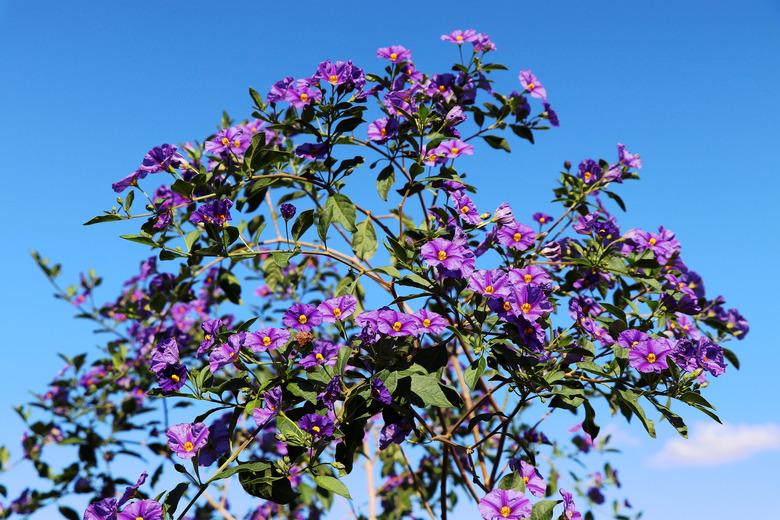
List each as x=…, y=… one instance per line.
x=282, y=258
x=693, y=398
x=429, y=391
x=268, y=484
x=190, y=239
x=302, y=223
x=69, y=513
x=674, y=419
x=589, y=425
x=333, y=485
x=543, y=510
x=497, y=142
x=630, y=399
x=172, y=499
x=140, y=239
x=167, y=254
x=109, y=217
x=342, y=211
x=347, y=125
x=229, y=283
x=246, y=466
x=323, y=223
x=474, y=372
x=182, y=188
x=290, y=431
x=385, y=181
x=523, y=131
x=364, y=242
x=512, y=481
x=389, y=270
x=256, y=97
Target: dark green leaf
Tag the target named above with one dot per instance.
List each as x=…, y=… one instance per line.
x=342, y=211
x=543, y=510
x=302, y=223
x=385, y=181
x=140, y=239
x=474, y=372
x=512, y=481
x=110, y=217
x=497, y=142
x=172, y=499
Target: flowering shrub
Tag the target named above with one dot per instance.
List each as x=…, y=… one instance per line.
x=420, y=339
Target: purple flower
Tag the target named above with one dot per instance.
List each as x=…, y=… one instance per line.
x=504, y=503
x=102, y=510
x=273, y=400
x=542, y=218
x=164, y=353
x=383, y=129
x=454, y=148
x=335, y=74
x=529, y=82
x=210, y=330
x=493, y=283
x=482, y=43
x=530, y=274
x=172, y=377
x=279, y=90
x=231, y=140
x=429, y=322
x=589, y=171
x=465, y=208
x=302, y=317
x=217, y=213
x=569, y=513
x=630, y=338
x=460, y=37
x=287, y=211
x=396, y=324
x=517, y=236
x=710, y=357
x=317, y=425
x=144, y=509
x=380, y=392
x=225, y=354
x=626, y=159
x=218, y=442
x=442, y=252
x=323, y=353
x=552, y=116
x=270, y=338
x=302, y=94
x=650, y=356
x=331, y=394
x=532, y=478
x=394, y=53
x=528, y=301
x=337, y=309
x=394, y=433
x=186, y=439
x=313, y=151
x=158, y=159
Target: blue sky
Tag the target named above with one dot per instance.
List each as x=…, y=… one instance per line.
x=87, y=88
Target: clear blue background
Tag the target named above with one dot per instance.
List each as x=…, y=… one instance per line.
x=87, y=88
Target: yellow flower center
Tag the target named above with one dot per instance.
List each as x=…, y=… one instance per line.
x=319, y=357
x=464, y=209
x=527, y=278
x=393, y=56
x=507, y=306
x=460, y=39
x=304, y=97
x=442, y=255
x=336, y=312
x=526, y=307
x=525, y=479
x=542, y=220
x=225, y=141
x=454, y=150
x=634, y=344
x=383, y=131
x=651, y=241
x=517, y=237
x=302, y=319
x=207, y=337
x=188, y=446
x=505, y=511
x=316, y=429
x=531, y=86
x=489, y=289
x=426, y=322
x=442, y=88
x=266, y=341
x=139, y=518
x=587, y=176
x=175, y=378
x=651, y=357
x=397, y=326
x=333, y=78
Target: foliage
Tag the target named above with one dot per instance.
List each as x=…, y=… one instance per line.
x=373, y=338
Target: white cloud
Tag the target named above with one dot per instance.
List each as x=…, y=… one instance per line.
x=620, y=437
x=712, y=444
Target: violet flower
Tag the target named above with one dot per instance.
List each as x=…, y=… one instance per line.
x=186, y=439
x=302, y=317
x=650, y=356
x=338, y=309
x=316, y=425
x=530, y=83
x=144, y=509
x=504, y=503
